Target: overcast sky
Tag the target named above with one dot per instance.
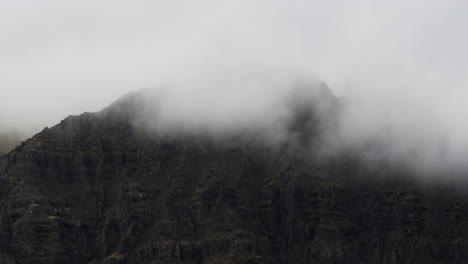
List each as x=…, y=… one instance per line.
x=400, y=65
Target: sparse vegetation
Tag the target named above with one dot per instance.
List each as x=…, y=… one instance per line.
x=117, y=255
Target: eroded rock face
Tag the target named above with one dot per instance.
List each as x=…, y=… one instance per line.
x=94, y=189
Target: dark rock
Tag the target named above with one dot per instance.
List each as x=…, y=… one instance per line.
x=94, y=189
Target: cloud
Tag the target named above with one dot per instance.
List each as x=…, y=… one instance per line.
x=398, y=66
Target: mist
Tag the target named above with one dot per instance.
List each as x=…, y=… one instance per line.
x=397, y=67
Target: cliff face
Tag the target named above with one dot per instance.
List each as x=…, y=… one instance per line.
x=94, y=189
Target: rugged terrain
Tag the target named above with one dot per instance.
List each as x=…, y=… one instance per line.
x=96, y=189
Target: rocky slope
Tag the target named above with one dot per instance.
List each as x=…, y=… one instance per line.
x=95, y=189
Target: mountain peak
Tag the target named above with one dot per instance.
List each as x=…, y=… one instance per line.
x=97, y=188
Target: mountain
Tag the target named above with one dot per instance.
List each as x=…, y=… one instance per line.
x=97, y=189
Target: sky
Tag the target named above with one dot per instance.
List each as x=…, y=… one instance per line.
x=399, y=66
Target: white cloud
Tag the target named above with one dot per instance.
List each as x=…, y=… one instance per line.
x=400, y=64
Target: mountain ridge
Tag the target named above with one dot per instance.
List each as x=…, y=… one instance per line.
x=98, y=189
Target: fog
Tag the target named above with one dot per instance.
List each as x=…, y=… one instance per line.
x=398, y=67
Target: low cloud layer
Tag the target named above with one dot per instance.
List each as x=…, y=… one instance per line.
x=398, y=67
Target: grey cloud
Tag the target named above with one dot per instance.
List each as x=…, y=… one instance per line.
x=399, y=66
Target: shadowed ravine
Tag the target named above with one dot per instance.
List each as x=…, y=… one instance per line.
x=95, y=189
